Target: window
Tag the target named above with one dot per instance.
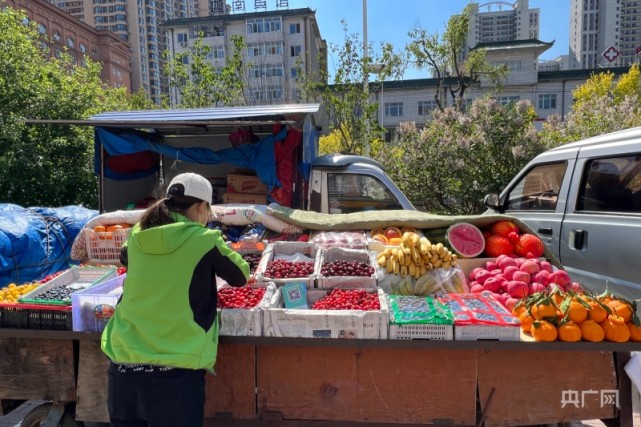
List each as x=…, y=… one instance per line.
x=42, y=28
x=295, y=50
x=182, y=39
x=71, y=42
x=611, y=185
x=504, y=100
x=217, y=52
x=510, y=65
x=356, y=193
x=185, y=60
x=267, y=70
x=261, y=49
x=293, y=73
x=393, y=109
x=547, y=101
x=57, y=36
x=425, y=108
x=538, y=189
x=263, y=25
x=294, y=28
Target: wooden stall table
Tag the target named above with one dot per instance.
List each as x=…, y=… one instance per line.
x=307, y=381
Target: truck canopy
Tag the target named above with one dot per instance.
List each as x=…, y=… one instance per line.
x=133, y=147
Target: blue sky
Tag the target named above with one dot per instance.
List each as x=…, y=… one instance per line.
x=391, y=20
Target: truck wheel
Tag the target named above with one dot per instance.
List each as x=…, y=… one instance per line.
x=40, y=414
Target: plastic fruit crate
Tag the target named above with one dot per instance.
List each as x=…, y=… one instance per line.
x=76, y=278
x=94, y=306
x=32, y=316
x=105, y=246
x=421, y=331
x=487, y=332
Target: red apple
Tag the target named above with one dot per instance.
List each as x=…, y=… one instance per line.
x=542, y=277
x=510, y=303
x=521, y=276
x=506, y=262
x=482, y=276
x=560, y=277
x=492, y=284
x=517, y=289
x=474, y=272
x=530, y=266
x=509, y=271
x=546, y=266
x=476, y=288
x=491, y=265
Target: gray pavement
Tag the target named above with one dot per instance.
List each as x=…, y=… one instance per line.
x=14, y=418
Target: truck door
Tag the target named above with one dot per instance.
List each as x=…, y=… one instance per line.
x=537, y=197
x=601, y=233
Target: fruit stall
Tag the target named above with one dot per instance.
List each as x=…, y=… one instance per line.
x=360, y=319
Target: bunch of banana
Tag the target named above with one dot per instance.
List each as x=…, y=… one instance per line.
x=415, y=256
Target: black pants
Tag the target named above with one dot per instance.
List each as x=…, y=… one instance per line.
x=173, y=398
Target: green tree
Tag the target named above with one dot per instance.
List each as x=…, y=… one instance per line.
x=196, y=83
x=351, y=115
x=447, y=57
x=603, y=104
x=449, y=166
x=47, y=165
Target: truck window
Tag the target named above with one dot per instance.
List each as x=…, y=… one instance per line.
x=611, y=184
x=538, y=189
x=355, y=192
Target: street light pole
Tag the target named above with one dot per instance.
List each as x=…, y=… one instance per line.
x=366, y=145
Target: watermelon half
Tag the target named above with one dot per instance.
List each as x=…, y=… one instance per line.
x=465, y=239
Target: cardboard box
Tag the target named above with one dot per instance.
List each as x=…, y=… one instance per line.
x=288, y=250
x=307, y=323
x=245, y=184
x=245, y=199
x=346, y=282
x=245, y=321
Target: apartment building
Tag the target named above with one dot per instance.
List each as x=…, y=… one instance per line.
x=549, y=91
x=500, y=21
x=138, y=22
x=280, y=44
x=80, y=40
x=604, y=33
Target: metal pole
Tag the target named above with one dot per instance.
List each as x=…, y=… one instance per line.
x=366, y=148
x=383, y=109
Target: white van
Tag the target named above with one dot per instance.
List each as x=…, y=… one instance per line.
x=584, y=200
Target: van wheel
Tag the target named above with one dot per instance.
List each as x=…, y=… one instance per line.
x=37, y=417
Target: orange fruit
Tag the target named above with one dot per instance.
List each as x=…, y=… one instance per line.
x=381, y=238
x=99, y=229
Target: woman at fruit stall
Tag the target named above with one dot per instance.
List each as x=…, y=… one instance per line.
x=163, y=336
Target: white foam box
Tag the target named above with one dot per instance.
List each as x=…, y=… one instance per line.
x=245, y=321
x=308, y=323
x=277, y=250
x=92, y=307
x=346, y=282
x=469, y=264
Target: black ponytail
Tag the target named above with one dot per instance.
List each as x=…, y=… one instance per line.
x=160, y=212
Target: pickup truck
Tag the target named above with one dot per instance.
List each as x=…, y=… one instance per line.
x=584, y=201
x=273, y=148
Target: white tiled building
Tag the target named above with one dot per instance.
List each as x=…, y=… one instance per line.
x=499, y=21
x=280, y=44
x=598, y=25
x=549, y=91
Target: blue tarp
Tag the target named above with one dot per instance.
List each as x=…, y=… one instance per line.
x=37, y=241
x=258, y=157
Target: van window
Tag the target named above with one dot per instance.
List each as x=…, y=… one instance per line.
x=538, y=189
x=611, y=184
x=356, y=192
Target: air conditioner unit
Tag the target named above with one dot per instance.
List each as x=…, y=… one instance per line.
x=183, y=44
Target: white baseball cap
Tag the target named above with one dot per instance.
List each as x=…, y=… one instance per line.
x=195, y=186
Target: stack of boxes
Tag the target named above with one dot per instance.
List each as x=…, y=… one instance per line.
x=245, y=189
